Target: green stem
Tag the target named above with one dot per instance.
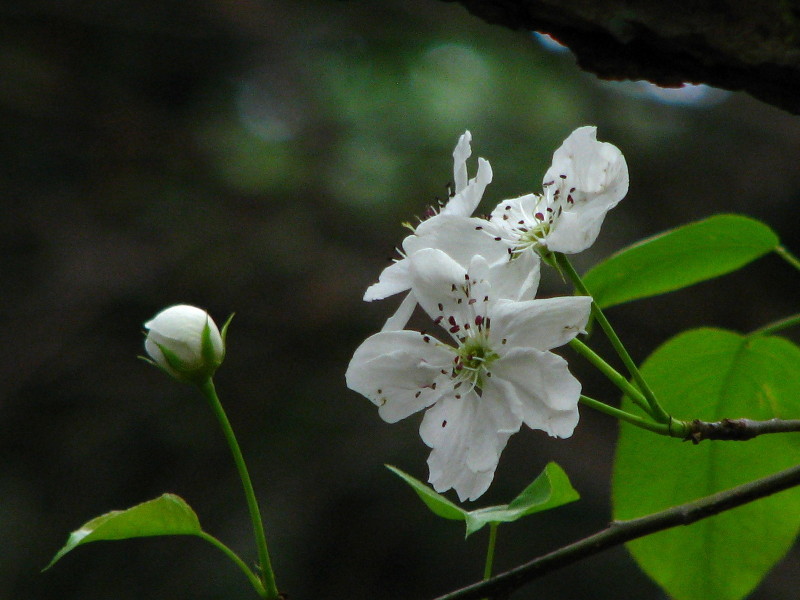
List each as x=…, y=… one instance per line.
x=777, y=325
x=611, y=373
x=656, y=409
x=788, y=257
x=267, y=575
x=487, y=569
x=673, y=428
x=239, y=562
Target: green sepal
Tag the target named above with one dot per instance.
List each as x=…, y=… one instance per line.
x=224, y=333
x=178, y=367
x=166, y=515
x=207, y=350
x=549, y=490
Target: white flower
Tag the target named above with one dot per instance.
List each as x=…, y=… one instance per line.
x=586, y=180
x=450, y=230
x=185, y=342
x=496, y=374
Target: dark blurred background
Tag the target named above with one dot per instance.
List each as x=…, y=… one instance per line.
x=258, y=158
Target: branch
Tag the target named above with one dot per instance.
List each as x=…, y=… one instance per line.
x=736, y=45
x=620, y=532
x=737, y=429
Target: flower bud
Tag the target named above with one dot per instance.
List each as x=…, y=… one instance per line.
x=185, y=342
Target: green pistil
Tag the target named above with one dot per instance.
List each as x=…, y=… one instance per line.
x=474, y=358
x=533, y=237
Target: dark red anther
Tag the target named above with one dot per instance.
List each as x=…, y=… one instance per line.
x=472, y=301
x=478, y=320
x=438, y=319
x=563, y=176
x=454, y=329
x=441, y=306
x=451, y=319
x=539, y=216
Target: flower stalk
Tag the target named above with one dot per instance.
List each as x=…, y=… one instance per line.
x=611, y=373
x=267, y=577
x=655, y=408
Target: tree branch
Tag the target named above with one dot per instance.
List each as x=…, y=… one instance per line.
x=732, y=44
x=738, y=429
x=620, y=532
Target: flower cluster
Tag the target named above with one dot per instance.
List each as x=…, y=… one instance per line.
x=491, y=369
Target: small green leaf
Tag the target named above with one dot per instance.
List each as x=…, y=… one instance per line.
x=679, y=258
x=549, y=490
x=439, y=505
x=166, y=515
x=711, y=374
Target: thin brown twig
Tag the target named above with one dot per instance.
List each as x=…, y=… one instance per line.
x=620, y=532
x=738, y=429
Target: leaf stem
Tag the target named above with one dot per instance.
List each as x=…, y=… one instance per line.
x=267, y=575
x=620, y=532
x=776, y=326
x=788, y=257
x=487, y=569
x=239, y=562
x=611, y=373
x=656, y=410
x=673, y=428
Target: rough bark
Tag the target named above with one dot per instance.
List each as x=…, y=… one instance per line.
x=731, y=44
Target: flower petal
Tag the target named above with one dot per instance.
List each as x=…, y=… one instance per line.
x=597, y=176
x=596, y=169
x=466, y=201
x=516, y=279
x=393, y=280
x=576, y=230
x=541, y=324
x=451, y=295
x=539, y=386
x=400, y=372
x=462, y=152
x=467, y=436
x=403, y=313
x=459, y=237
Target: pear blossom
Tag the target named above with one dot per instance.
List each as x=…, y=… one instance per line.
x=586, y=179
x=449, y=229
x=185, y=342
x=495, y=373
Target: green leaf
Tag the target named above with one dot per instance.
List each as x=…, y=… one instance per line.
x=439, y=505
x=679, y=258
x=712, y=374
x=549, y=490
x=166, y=515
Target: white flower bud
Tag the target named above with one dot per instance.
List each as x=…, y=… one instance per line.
x=185, y=342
